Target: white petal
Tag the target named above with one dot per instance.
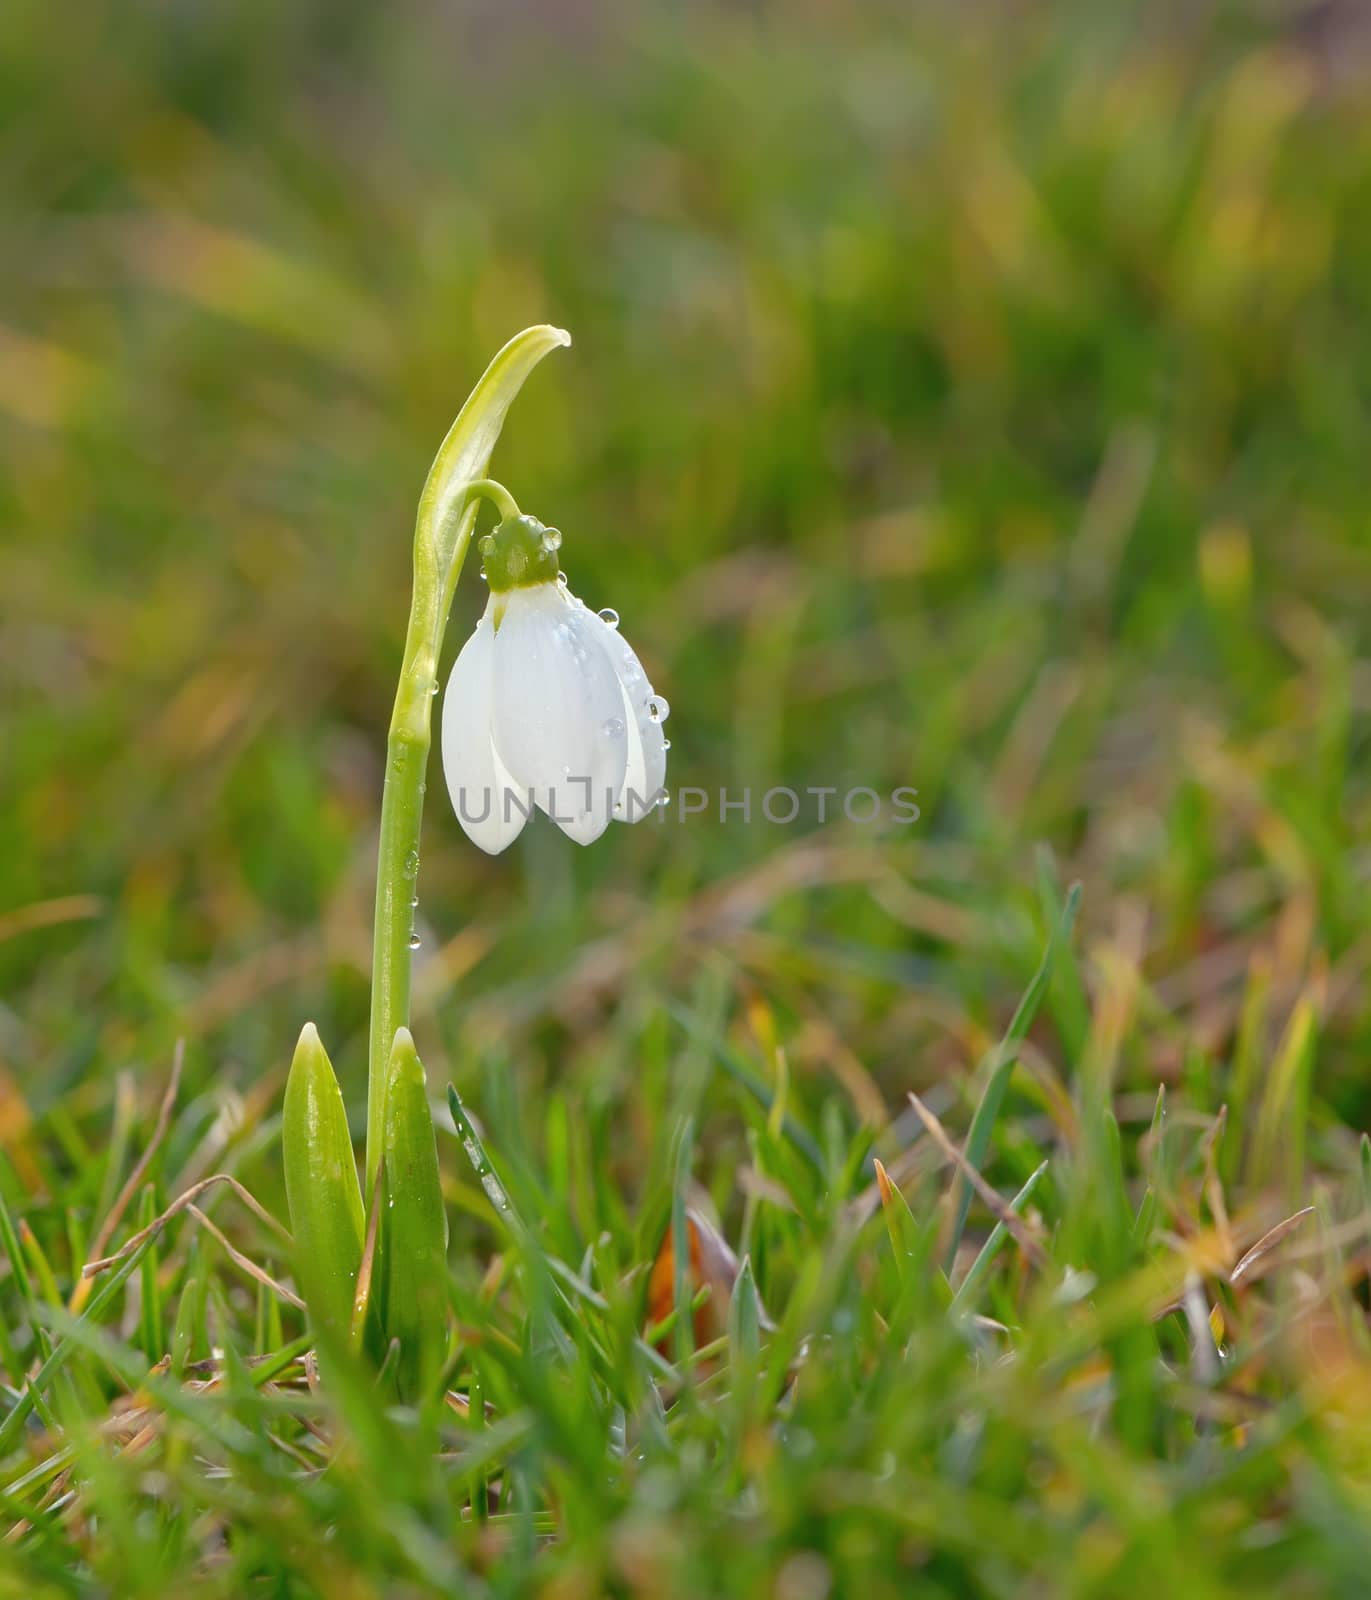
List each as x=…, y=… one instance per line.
x=645, y=772
x=558, y=718
x=489, y=804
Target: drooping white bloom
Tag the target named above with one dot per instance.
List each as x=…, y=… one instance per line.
x=548, y=706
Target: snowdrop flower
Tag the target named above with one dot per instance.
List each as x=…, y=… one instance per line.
x=547, y=705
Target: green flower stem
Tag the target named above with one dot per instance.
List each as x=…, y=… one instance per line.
x=503, y=501
x=402, y=807
x=496, y=493
x=447, y=514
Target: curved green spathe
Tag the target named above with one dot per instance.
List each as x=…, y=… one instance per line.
x=447, y=514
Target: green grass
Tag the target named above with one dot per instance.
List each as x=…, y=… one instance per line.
x=979, y=405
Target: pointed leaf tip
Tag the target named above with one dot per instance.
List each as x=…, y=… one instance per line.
x=403, y=1042
x=322, y=1191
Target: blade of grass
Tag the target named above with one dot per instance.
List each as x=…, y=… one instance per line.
x=484, y=1168
x=900, y=1223
x=1248, y=1050
x=116, y=1212
x=19, y=1267
x=992, y=1246
x=150, y=1297
x=1066, y=996
x=67, y=1345
x=189, y=1333
x=39, y=1265
x=1027, y=1243
x=761, y=1092
x=1003, y=1060
x=1279, y=1139
x=684, y=1333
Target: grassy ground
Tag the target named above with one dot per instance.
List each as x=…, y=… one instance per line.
x=976, y=402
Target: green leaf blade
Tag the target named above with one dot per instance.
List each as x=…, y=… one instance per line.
x=413, y=1242
x=324, y=1196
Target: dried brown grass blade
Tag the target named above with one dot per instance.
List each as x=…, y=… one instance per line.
x=178, y=1205
x=1004, y=1213
x=135, y=1178
x=246, y=1263
x=1265, y=1245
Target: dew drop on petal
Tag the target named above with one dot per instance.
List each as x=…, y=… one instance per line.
x=552, y=538
x=666, y=744
x=613, y=729
x=610, y=616
x=658, y=709
x=663, y=799
x=561, y=579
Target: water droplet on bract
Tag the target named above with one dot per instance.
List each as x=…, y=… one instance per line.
x=552, y=538
x=414, y=941
x=658, y=709
x=611, y=616
x=613, y=728
x=412, y=864
x=561, y=579
x=486, y=544
x=484, y=578
x=433, y=687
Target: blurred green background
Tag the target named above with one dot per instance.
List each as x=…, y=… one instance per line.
x=970, y=397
